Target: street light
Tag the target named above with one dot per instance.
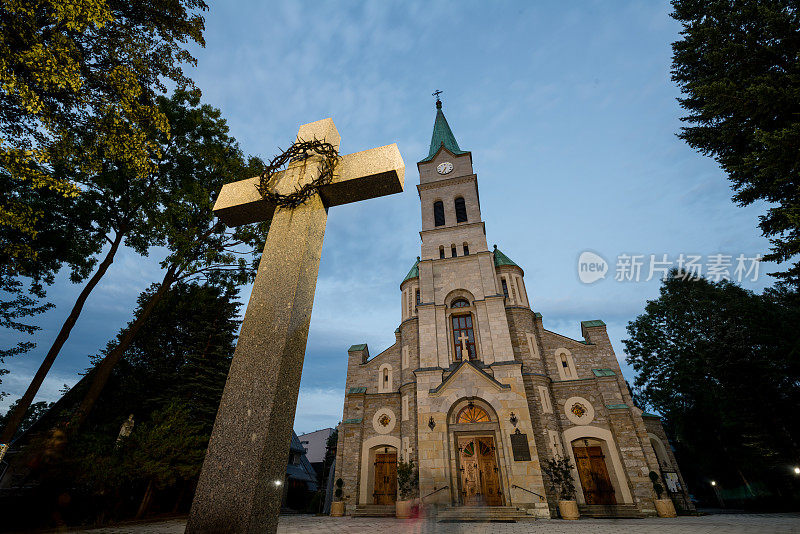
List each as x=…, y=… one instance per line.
x=713, y=483
x=797, y=470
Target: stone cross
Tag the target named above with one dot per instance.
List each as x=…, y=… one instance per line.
x=243, y=474
x=463, y=339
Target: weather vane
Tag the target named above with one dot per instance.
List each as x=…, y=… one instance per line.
x=436, y=93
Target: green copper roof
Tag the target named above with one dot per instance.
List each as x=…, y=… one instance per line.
x=502, y=259
x=413, y=273
x=590, y=324
x=616, y=406
x=604, y=372
x=357, y=390
x=442, y=136
x=357, y=347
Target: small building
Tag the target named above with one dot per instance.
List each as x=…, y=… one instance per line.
x=301, y=479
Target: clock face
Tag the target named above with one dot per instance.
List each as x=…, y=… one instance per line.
x=444, y=168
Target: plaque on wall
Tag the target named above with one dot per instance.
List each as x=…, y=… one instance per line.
x=519, y=445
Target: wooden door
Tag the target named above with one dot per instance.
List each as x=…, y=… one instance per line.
x=591, y=464
x=488, y=472
x=480, y=478
x=470, y=478
x=385, y=478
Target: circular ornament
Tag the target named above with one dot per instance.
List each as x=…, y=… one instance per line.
x=384, y=420
x=579, y=410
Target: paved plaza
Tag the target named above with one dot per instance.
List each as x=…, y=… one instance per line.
x=308, y=524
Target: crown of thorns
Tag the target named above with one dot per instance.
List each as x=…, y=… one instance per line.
x=299, y=150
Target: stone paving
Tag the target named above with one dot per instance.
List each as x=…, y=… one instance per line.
x=307, y=524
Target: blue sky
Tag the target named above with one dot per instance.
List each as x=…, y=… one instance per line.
x=570, y=115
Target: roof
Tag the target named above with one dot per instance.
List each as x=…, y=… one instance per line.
x=354, y=348
x=442, y=136
x=413, y=273
x=596, y=322
x=502, y=259
x=604, y=372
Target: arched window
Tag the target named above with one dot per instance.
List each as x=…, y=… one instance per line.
x=460, y=303
x=453, y=251
x=473, y=414
x=463, y=337
x=466, y=249
x=461, y=210
x=438, y=213
x=441, y=252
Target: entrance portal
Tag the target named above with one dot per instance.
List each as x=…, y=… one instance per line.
x=591, y=464
x=385, y=478
x=480, y=480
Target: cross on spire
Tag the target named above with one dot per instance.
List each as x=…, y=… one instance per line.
x=436, y=93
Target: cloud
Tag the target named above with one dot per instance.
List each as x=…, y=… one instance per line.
x=318, y=408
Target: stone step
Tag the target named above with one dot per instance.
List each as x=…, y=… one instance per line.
x=374, y=510
x=481, y=513
x=627, y=511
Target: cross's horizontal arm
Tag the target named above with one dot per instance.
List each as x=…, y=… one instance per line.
x=359, y=176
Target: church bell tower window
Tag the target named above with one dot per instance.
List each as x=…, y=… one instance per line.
x=466, y=249
x=461, y=210
x=438, y=213
x=505, y=287
x=453, y=251
x=441, y=252
x=463, y=337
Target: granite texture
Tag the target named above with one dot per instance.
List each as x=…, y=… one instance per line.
x=237, y=491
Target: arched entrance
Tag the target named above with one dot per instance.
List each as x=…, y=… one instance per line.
x=590, y=462
x=478, y=470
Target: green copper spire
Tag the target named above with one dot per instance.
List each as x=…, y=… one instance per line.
x=442, y=135
x=413, y=273
x=502, y=259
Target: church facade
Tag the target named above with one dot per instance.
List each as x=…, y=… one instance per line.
x=478, y=393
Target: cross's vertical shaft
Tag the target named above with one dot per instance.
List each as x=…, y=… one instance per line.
x=237, y=491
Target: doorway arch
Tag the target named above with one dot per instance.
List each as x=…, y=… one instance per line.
x=611, y=457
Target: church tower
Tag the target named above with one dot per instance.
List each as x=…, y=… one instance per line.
x=478, y=394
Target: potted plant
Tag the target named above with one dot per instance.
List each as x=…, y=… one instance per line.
x=337, y=506
x=664, y=507
x=559, y=471
x=408, y=487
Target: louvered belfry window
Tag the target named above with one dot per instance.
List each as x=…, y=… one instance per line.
x=438, y=213
x=461, y=210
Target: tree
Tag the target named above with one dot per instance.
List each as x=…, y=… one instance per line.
x=720, y=363
x=78, y=88
x=737, y=67
x=78, y=82
x=33, y=414
x=194, y=160
x=171, y=380
x=183, y=355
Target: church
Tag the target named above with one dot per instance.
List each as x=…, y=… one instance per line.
x=478, y=393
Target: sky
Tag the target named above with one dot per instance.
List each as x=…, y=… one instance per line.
x=571, y=118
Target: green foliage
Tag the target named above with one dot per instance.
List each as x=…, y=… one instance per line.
x=719, y=363
x=36, y=410
x=407, y=479
x=78, y=82
x=657, y=487
x=183, y=354
x=559, y=473
x=737, y=67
